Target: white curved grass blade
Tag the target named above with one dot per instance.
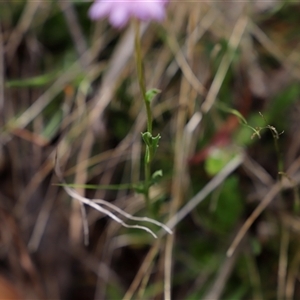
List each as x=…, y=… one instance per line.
x=72, y=193
x=93, y=203
x=131, y=217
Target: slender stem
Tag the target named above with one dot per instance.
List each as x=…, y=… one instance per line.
x=147, y=181
x=141, y=78
x=141, y=75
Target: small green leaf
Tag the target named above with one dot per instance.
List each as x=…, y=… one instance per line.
x=151, y=143
x=232, y=111
x=156, y=176
x=151, y=94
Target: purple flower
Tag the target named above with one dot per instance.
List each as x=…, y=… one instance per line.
x=120, y=11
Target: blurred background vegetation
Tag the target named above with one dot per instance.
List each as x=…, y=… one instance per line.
x=229, y=74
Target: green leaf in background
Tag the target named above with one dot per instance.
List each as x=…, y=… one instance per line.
x=255, y=246
x=114, y=292
x=112, y=187
x=240, y=292
x=36, y=81
x=278, y=108
x=229, y=206
x=228, y=209
x=218, y=159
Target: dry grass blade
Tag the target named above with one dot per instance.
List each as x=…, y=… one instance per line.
x=93, y=203
x=225, y=63
x=180, y=177
x=292, y=277
x=23, y=25
x=259, y=209
x=75, y=29
x=37, y=107
x=1, y=71
x=288, y=62
x=142, y=270
x=219, y=284
x=77, y=218
x=215, y=182
x=283, y=261
x=129, y=216
x=72, y=193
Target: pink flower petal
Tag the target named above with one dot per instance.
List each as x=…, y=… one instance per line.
x=119, y=17
x=120, y=11
x=100, y=9
x=149, y=11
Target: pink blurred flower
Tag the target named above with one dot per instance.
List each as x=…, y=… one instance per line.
x=119, y=12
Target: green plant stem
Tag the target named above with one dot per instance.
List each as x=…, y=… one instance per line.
x=141, y=78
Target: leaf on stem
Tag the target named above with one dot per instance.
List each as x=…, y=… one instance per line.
x=151, y=142
x=150, y=94
x=156, y=176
